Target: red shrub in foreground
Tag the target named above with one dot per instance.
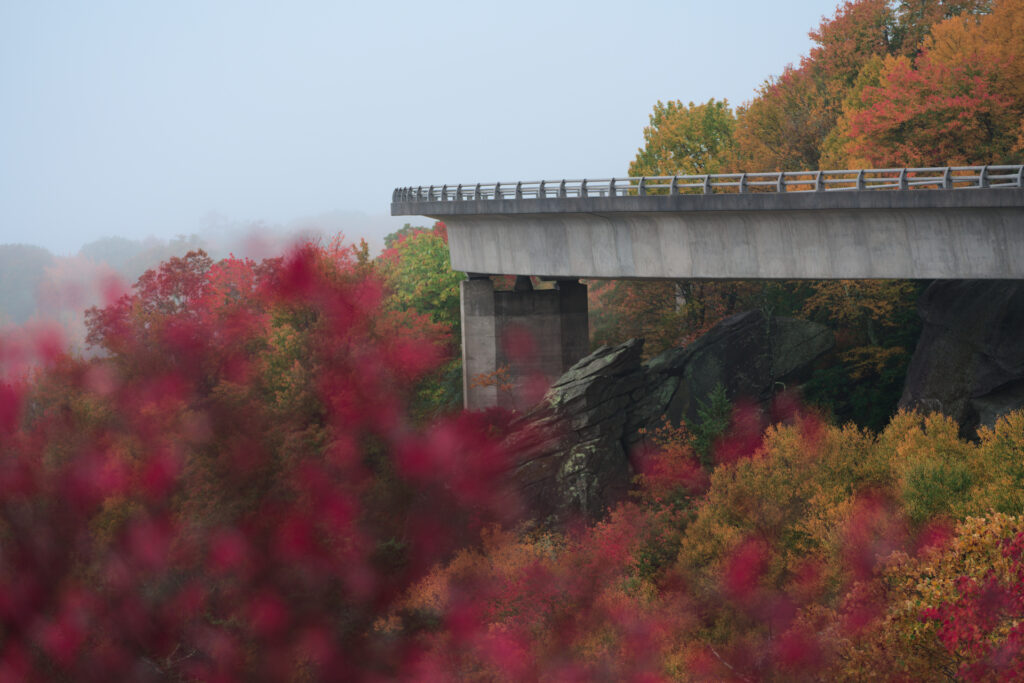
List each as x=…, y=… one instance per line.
x=234, y=492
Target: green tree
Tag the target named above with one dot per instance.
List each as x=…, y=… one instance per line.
x=417, y=272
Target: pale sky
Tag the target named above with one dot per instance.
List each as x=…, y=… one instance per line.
x=138, y=118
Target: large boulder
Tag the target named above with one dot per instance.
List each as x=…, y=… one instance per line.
x=574, y=447
x=570, y=449
x=749, y=354
x=969, y=360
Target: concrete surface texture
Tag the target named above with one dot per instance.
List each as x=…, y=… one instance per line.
x=967, y=233
x=515, y=343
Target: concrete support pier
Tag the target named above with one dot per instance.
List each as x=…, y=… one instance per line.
x=516, y=343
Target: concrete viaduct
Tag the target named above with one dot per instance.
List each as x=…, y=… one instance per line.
x=952, y=222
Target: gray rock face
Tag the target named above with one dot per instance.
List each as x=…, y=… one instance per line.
x=575, y=445
x=969, y=360
x=572, y=456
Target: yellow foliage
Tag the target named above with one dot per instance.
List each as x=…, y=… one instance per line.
x=796, y=494
x=937, y=473
x=935, y=470
x=503, y=555
x=1001, y=458
x=854, y=302
x=900, y=644
x=995, y=39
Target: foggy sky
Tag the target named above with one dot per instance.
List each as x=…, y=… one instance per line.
x=141, y=118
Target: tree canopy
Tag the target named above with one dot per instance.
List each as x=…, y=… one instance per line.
x=686, y=140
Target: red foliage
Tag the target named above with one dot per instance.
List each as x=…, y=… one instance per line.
x=875, y=529
x=934, y=113
x=984, y=626
x=744, y=568
x=234, y=492
x=743, y=436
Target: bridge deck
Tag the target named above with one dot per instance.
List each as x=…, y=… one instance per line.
x=894, y=227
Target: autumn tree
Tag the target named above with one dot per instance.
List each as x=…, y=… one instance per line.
x=933, y=114
x=958, y=102
x=235, y=490
x=876, y=326
x=416, y=268
x=845, y=43
x=688, y=139
x=836, y=151
x=668, y=313
x=915, y=19
x=785, y=126
x=782, y=128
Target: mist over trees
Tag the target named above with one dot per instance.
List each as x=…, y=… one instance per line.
x=46, y=288
x=22, y=269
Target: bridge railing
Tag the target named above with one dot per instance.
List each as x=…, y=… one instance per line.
x=936, y=177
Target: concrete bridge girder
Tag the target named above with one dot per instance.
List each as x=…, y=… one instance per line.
x=968, y=233
x=936, y=243
x=977, y=233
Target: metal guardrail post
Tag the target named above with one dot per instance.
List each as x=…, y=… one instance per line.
x=997, y=176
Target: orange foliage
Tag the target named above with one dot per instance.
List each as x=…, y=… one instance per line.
x=960, y=102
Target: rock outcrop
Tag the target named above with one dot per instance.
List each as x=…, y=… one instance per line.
x=969, y=360
x=575, y=445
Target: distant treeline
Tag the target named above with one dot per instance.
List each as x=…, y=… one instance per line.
x=37, y=284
